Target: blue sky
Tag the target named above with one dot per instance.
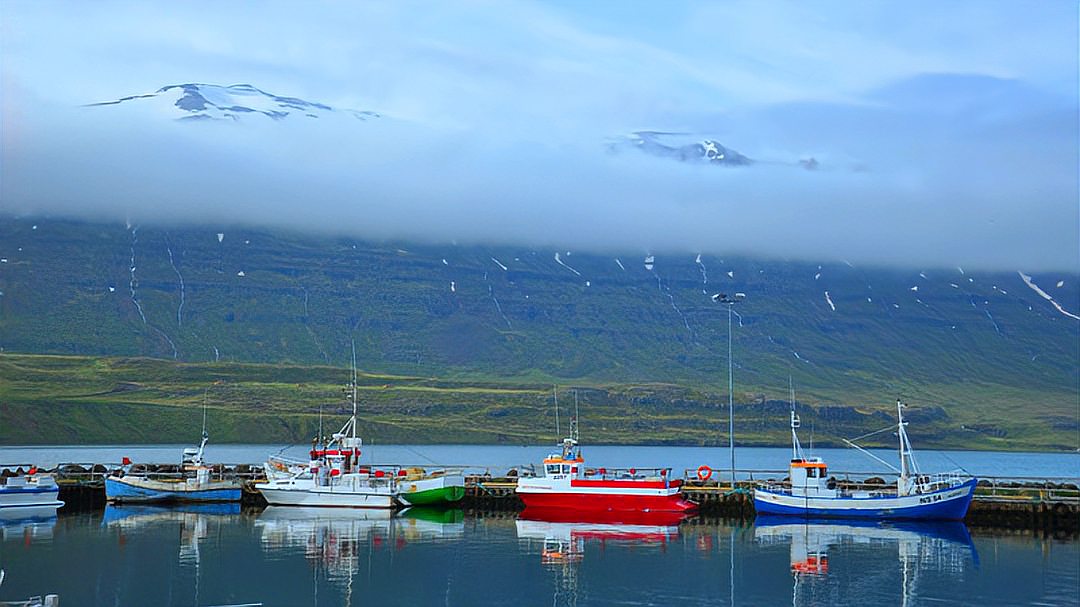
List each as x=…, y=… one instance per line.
x=948, y=126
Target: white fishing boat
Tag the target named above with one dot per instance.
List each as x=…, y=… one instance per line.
x=33, y=489
x=916, y=495
x=334, y=476
x=196, y=482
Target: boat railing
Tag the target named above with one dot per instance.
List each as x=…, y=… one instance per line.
x=97, y=472
x=877, y=483
x=1054, y=489
x=606, y=474
x=943, y=480
x=10, y=471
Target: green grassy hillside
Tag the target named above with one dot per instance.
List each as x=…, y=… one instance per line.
x=994, y=359
x=72, y=400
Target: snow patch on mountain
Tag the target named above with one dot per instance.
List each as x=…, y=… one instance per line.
x=1034, y=287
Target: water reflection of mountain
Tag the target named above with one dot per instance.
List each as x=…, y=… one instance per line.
x=920, y=549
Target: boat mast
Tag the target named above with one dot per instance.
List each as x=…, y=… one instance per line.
x=354, y=457
x=198, y=461
x=796, y=448
x=574, y=421
x=558, y=430
x=908, y=467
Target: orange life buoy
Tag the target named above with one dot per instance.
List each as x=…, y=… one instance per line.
x=704, y=472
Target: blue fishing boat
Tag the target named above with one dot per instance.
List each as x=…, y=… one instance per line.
x=916, y=496
x=195, y=483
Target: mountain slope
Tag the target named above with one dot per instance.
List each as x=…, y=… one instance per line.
x=997, y=356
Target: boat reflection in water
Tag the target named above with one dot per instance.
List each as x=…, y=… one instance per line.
x=331, y=539
x=335, y=540
x=563, y=535
x=194, y=520
x=197, y=523
x=922, y=548
x=28, y=524
x=429, y=524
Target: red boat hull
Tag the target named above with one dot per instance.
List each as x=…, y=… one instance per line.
x=607, y=502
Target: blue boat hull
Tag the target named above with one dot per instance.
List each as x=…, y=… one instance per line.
x=116, y=490
x=929, y=506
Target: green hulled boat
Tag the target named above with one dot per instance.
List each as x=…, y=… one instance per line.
x=420, y=488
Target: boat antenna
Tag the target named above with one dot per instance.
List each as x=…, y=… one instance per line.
x=575, y=423
x=558, y=431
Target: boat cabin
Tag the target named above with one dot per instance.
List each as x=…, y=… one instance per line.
x=810, y=478
x=567, y=464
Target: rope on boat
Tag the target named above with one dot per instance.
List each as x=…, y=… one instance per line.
x=869, y=434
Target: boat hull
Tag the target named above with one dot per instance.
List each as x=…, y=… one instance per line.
x=30, y=497
x=431, y=491
x=605, y=502
x=326, y=499
x=141, y=490
x=949, y=504
x=346, y=493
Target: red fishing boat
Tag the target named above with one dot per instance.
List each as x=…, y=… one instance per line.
x=567, y=484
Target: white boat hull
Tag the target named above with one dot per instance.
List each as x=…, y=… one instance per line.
x=30, y=492
x=346, y=493
x=30, y=499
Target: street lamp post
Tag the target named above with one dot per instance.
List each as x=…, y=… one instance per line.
x=722, y=298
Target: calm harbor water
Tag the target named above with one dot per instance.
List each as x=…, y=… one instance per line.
x=499, y=458
x=322, y=557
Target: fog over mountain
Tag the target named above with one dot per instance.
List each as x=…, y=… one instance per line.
x=882, y=134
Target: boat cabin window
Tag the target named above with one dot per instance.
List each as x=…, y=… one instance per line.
x=811, y=473
x=553, y=469
x=566, y=469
